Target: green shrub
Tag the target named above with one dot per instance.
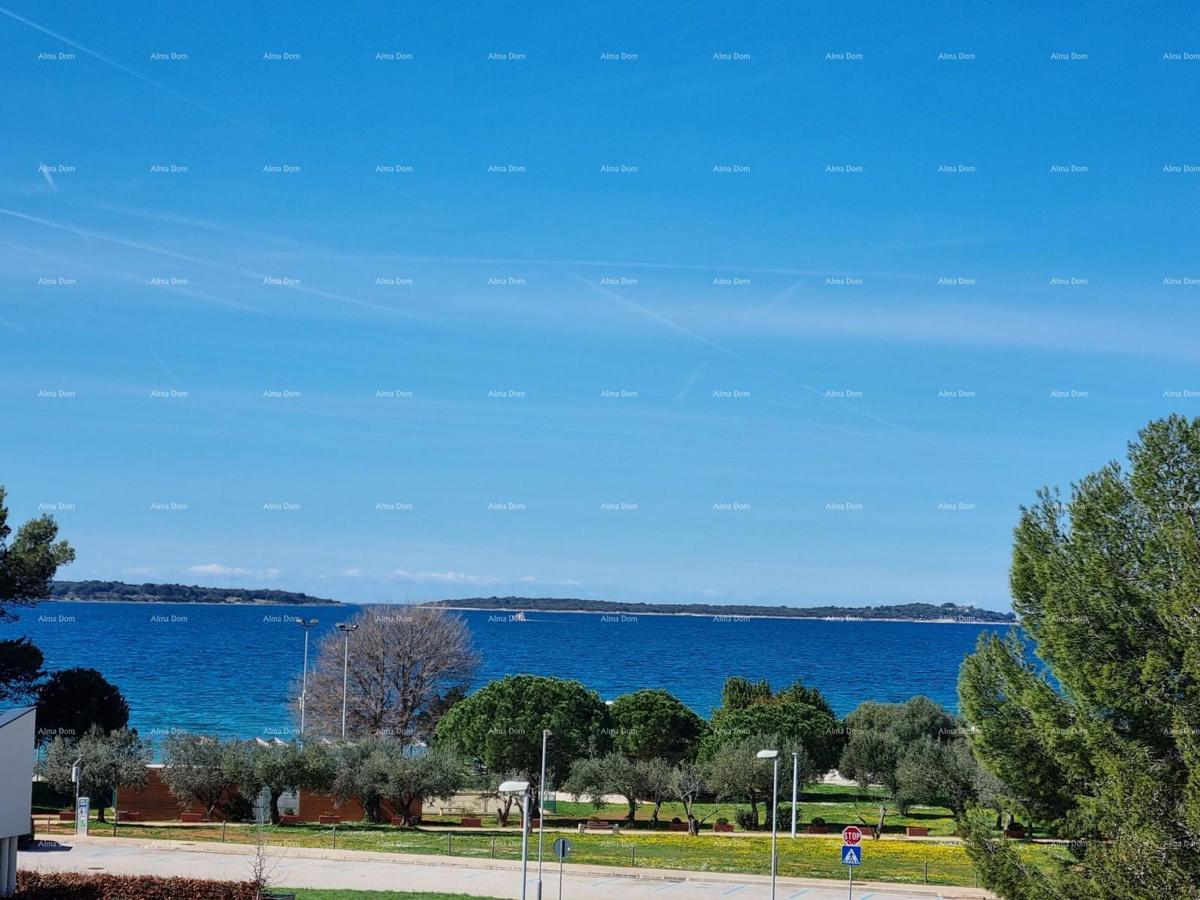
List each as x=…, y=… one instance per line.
x=75, y=886
x=747, y=819
x=783, y=816
x=238, y=808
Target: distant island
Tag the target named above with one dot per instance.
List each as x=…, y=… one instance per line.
x=119, y=591
x=176, y=593
x=906, y=612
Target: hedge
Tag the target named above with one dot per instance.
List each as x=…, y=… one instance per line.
x=75, y=886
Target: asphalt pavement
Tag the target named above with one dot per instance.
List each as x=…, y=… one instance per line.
x=347, y=869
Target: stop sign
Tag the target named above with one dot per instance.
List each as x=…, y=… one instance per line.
x=851, y=835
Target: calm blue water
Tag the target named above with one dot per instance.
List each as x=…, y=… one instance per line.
x=227, y=669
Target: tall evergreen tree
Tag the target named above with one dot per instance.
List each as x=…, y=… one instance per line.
x=1103, y=740
x=29, y=560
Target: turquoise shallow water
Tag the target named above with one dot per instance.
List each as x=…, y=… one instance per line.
x=227, y=669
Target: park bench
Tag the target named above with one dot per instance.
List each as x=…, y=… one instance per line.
x=592, y=826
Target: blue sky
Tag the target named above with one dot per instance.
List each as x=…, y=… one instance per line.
x=279, y=362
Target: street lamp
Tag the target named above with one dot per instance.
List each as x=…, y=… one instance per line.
x=773, y=755
x=306, y=624
x=345, y=628
x=521, y=787
x=77, y=777
x=795, y=785
x=542, y=810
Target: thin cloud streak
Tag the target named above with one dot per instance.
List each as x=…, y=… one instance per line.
x=116, y=65
x=200, y=261
x=650, y=314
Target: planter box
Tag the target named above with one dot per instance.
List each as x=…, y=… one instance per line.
x=289, y=820
x=329, y=820
x=471, y=822
x=191, y=817
x=123, y=816
x=916, y=831
x=1011, y=832
x=727, y=828
x=535, y=824
x=867, y=830
x=677, y=826
x=817, y=829
x=66, y=816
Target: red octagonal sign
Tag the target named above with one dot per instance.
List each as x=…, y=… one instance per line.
x=851, y=835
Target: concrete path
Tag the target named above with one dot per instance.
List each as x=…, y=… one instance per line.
x=303, y=867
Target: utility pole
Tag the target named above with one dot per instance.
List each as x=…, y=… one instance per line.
x=345, y=628
x=542, y=810
x=795, y=785
x=306, y=624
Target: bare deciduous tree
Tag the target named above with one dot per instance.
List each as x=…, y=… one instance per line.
x=403, y=666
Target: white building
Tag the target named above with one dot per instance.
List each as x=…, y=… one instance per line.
x=16, y=789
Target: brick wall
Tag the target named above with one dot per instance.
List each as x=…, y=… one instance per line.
x=156, y=804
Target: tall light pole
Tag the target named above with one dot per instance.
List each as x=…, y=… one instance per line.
x=774, y=756
x=306, y=624
x=542, y=809
x=345, y=628
x=795, y=785
x=521, y=787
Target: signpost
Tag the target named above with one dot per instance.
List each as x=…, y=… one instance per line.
x=851, y=853
x=561, y=848
x=82, y=808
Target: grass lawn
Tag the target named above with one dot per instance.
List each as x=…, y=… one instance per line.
x=838, y=806
x=814, y=857
x=309, y=894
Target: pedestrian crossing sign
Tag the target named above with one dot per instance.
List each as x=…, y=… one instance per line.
x=851, y=855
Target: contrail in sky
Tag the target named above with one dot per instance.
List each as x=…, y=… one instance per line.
x=119, y=67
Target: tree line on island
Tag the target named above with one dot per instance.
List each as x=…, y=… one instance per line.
x=184, y=593
x=1095, y=742
x=176, y=593
x=916, y=612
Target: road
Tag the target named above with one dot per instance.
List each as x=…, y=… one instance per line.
x=303, y=867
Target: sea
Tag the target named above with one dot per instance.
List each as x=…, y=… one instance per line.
x=229, y=669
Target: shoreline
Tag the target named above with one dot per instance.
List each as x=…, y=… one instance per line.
x=329, y=603
x=728, y=617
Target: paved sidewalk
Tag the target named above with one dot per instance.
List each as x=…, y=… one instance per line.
x=304, y=867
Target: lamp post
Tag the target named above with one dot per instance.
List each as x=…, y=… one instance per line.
x=345, y=628
x=306, y=624
x=795, y=785
x=521, y=787
x=77, y=777
x=542, y=810
x=774, y=756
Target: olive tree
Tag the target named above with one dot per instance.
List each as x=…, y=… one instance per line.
x=108, y=761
